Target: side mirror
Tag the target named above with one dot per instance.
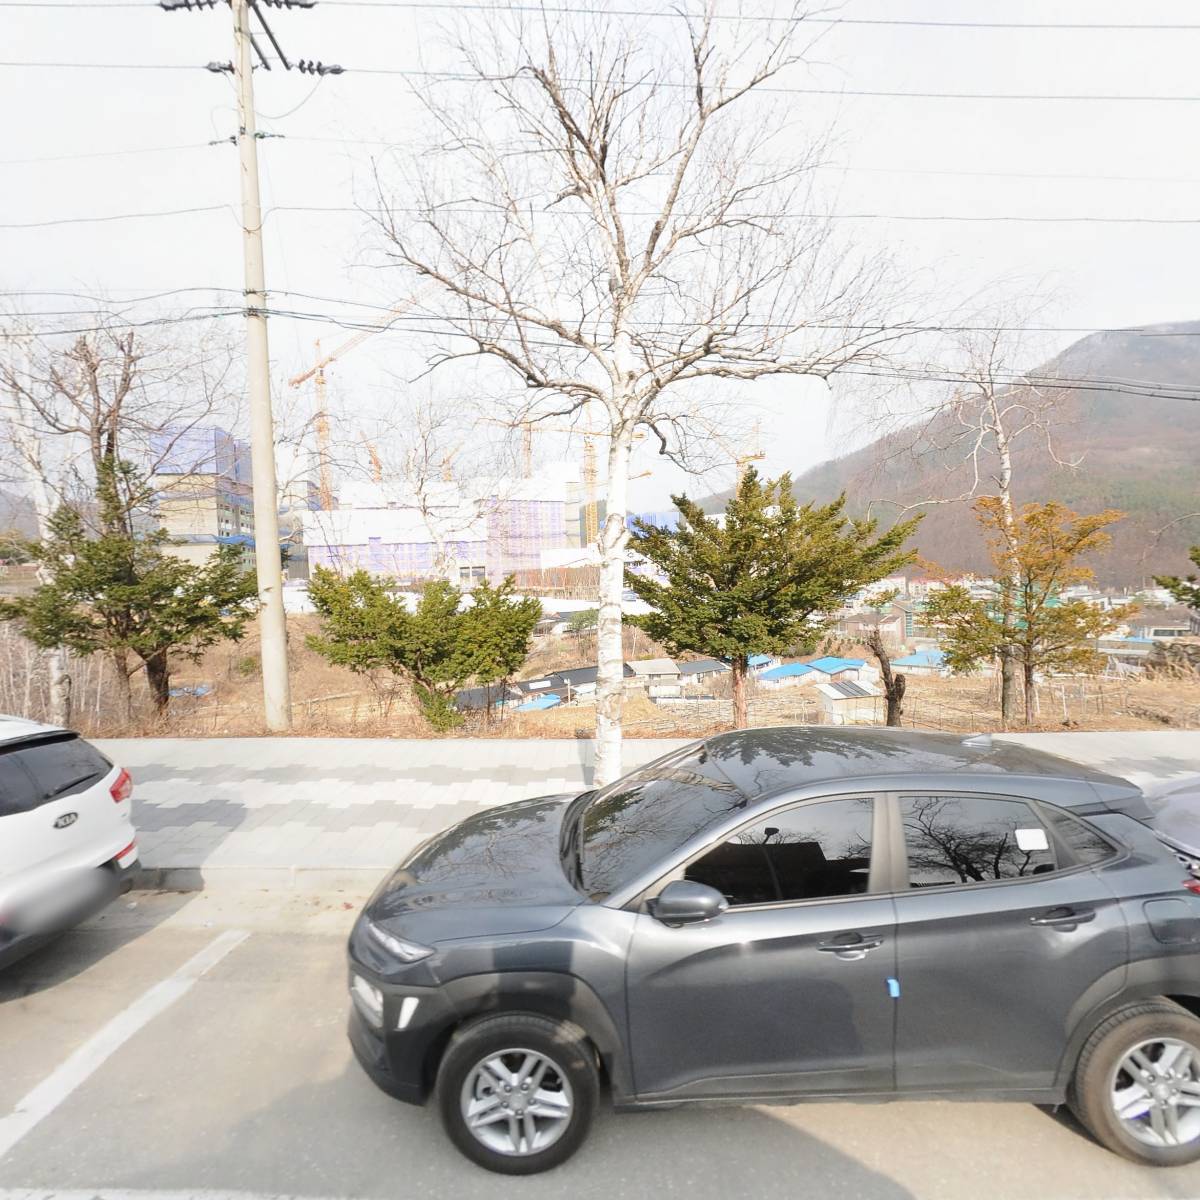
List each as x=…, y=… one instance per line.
x=685, y=902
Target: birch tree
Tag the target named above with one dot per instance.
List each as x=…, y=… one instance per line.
x=616, y=211
x=993, y=407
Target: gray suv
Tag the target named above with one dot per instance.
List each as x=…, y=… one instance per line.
x=786, y=914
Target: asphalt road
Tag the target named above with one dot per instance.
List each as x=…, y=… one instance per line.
x=194, y=1046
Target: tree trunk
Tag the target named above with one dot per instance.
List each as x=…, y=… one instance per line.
x=1030, y=687
x=60, y=686
x=893, y=685
x=739, y=665
x=1010, y=582
x=158, y=675
x=124, y=706
x=610, y=674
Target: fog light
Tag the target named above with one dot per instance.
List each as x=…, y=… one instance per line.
x=408, y=1008
x=368, y=999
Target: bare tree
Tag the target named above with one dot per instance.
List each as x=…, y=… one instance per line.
x=612, y=211
x=995, y=404
x=894, y=683
x=77, y=402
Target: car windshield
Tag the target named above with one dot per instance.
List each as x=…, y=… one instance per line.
x=636, y=822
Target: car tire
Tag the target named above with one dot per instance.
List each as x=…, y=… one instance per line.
x=1158, y=1034
x=470, y=1075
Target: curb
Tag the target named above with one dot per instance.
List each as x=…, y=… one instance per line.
x=246, y=879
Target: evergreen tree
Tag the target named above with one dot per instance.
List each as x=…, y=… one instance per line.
x=1186, y=590
x=436, y=648
x=1048, y=633
x=766, y=580
x=121, y=592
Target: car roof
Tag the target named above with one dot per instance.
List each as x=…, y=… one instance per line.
x=761, y=762
x=17, y=729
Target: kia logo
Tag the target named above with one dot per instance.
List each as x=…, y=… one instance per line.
x=65, y=820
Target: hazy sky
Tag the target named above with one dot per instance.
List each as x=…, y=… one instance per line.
x=922, y=157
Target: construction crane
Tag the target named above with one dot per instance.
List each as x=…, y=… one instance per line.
x=320, y=409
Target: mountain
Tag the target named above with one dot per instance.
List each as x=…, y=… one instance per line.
x=1138, y=454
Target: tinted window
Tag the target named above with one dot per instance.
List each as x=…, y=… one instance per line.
x=805, y=853
x=62, y=767
x=1084, y=843
x=640, y=820
x=17, y=792
x=973, y=839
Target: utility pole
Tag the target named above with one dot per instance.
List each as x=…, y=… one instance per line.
x=277, y=707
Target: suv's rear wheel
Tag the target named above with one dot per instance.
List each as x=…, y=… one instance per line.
x=1137, y=1084
x=517, y=1093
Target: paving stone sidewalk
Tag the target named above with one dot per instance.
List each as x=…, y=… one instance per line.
x=226, y=807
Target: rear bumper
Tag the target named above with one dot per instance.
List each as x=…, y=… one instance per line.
x=17, y=946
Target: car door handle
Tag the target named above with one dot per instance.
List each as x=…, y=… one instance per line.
x=1064, y=918
x=851, y=946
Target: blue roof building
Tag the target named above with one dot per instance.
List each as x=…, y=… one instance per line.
x=786, y=671
x=932, y=660
x=538, y=703
x=832, y=665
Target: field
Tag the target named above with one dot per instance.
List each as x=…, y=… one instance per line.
x=332, y=701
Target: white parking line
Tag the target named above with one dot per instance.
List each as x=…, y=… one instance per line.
x=145, y=1194
x=75, y=1070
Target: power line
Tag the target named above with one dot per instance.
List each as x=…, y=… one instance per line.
x=16, y=162
x=169, y=212
x=463, y=77
x=754, y=18
x=563, y=10
x=971, y=218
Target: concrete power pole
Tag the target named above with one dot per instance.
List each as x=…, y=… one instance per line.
x=277, y=705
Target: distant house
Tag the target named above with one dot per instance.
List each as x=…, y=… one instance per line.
x=844, y=669
x=539, y=703
x=761, y=662
x=659, y=676
x=892, y=626
x=531, y=687
x=788, y=675
x=849, y=703
x=923, y=662
x=577, y=681
x=701, y=672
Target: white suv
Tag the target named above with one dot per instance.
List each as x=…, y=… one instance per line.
x=67, y=842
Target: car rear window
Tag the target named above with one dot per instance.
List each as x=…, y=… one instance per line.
x=34, y=773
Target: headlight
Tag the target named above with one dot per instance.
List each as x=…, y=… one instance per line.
x=405, y=951
x=368, y=999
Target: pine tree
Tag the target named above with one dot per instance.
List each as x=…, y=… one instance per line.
x=436, y=648
x=1186, y=590
x=767, y=579
x=121, y=592
x=1048, y=633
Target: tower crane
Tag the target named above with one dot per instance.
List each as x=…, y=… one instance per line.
x=317, y=374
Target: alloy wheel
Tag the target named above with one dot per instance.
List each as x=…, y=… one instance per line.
x=1155, y=1092
x=516, y=1102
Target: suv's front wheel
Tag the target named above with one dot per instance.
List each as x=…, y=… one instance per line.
x=517, y=1092
x=1137, y=1084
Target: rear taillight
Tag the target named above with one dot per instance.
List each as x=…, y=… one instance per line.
x=122, y=787
x=1193, y=886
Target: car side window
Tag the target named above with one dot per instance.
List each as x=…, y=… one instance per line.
x=810, y=852
x=1086, y=845
x=973, y=839
x=18, y=793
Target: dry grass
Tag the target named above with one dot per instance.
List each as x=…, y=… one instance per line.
x=331, y=701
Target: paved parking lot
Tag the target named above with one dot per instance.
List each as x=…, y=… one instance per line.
x=192, y=1046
